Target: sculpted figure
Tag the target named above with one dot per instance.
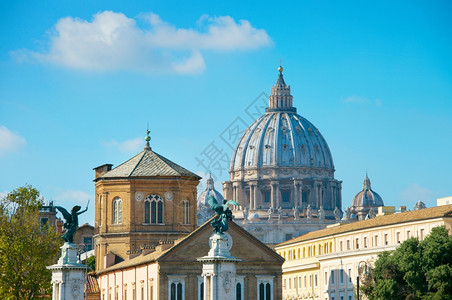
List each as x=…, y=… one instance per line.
x=71, y=223
x=220, y=223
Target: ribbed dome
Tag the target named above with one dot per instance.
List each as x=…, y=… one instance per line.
x=281, y=138
x=367, y=197
x=210, y=191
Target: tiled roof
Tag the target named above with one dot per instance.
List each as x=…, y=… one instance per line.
x=91, y=286
x=410, y=216
x=148, y=164
x=159, y=254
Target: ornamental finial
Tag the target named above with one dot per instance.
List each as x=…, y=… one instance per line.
x=280, y=69
x=147, y=139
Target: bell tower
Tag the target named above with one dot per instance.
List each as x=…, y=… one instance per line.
x=146, y=201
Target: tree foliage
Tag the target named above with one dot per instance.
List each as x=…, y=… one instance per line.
x=26, y=247
x=91, y=263
x=415, y=270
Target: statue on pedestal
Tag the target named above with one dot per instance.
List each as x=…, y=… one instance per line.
x=270, y=213
x=295, y=213
x=309, y=212
x=71, y=223
x=220, y=223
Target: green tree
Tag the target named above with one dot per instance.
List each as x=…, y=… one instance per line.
x=91, y=263
x=415, y=270
x=26, y=247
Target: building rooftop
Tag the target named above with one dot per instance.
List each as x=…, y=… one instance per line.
x=410, y=216
x=148, y=164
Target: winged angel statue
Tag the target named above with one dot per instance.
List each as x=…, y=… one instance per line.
x=71, y=223
x=220, y=223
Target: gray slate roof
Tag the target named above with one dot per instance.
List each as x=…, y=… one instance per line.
x=148, y=164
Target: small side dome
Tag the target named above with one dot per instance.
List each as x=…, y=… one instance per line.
x=253, y=216
x=367, y=197
x=210, y=191
x=419, y=205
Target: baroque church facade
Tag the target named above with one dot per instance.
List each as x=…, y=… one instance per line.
x=282, y=174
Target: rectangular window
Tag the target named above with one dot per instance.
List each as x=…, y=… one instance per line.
x=341, y=275
x=349, y=275
x=398, y=237
x=408, y=234
x=332, y=277
x=284, y=284
x=315, y=280
x=305, y=284
x=88, y=243
x=376, y=241
x=365, y=242
x=386, y=239
x=285, y=196
x=290, y=284
x=44, y=223
x=340, y=245
x=295, y=286
x=348, y=244
x=267, y=196
x=326, y=277
x=422, y=234
x=299, y=282
x=357, y=243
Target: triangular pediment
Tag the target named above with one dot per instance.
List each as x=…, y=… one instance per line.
x=244, y=246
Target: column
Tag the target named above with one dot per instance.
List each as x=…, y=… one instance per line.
x=256, y=195
x=252, y=204
x=301, y=194
x=272, y=194
x=317, y=194
x=295, y=193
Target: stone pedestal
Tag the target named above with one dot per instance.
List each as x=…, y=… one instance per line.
x=218, y=270
x=68, y=276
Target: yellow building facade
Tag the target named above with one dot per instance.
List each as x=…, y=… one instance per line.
x=145, y=202
x=325, y=264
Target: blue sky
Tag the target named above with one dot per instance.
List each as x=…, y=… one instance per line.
x=80, y=82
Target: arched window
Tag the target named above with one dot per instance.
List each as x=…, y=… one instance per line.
x=238, y=291
x=304, y=252
x=186, y=211
x=153, y=210
x=117, y=211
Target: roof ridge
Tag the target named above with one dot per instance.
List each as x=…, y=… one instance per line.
x=385, y=220
x=165, y=161
x=139, y=161
x=172, y=164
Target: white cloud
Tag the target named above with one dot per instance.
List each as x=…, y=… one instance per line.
x=112, y=41
x=361, y=100
x=73, y=197
x=10, y=142
x=127, y=146
x=414, y=192
x=355, y=99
